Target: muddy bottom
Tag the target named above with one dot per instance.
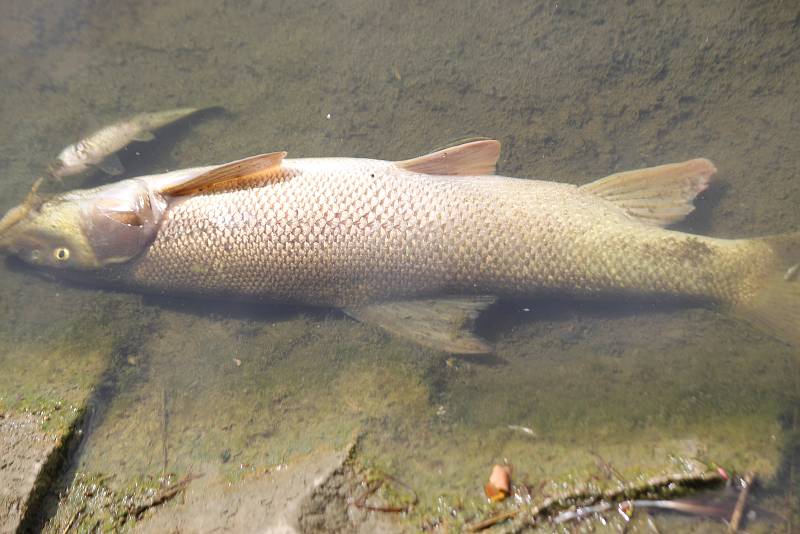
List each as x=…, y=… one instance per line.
x=250, y=403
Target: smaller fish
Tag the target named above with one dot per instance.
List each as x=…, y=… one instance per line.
x=99, y=149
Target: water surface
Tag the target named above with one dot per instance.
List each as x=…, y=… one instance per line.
x=574, y=90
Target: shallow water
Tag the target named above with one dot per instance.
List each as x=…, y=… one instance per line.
x=574, y=90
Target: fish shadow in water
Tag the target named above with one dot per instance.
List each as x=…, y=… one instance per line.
x=493, y=324
x=503, y=318
x=699, y=221
x=239, y=309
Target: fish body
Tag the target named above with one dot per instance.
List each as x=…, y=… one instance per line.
x=418, y=246
x=98, y=149
x=344, y=232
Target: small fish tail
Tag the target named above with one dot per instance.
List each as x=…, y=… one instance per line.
x=774, y=304
x=158, y=119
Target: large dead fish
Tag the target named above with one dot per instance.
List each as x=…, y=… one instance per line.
x=418, y=246
x=99, y=148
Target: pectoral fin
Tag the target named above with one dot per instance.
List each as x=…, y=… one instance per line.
x=144, y=136
x=247, y=168
x=442, y=324
x=658, y=196
x=111, y=165
x=475, y=158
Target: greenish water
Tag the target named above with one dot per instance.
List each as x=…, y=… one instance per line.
x=574, y=90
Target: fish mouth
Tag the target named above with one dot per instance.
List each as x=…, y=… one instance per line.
x=54, y=169
x=10, y=220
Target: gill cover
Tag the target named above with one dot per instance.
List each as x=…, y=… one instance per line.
x=121, y=220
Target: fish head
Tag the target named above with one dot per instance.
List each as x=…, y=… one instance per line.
x=84, y=229
x=74, y=159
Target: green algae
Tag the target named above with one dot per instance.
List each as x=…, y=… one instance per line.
x=293, y=385
x=51, y=378
x=90, y=505
x=247, y=413
x=53, y=357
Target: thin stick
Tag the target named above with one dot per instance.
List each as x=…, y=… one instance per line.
x=608, y=468
x=741, y=502
x=164, y=421
x=790, y=504
x=492, y=521
x=78, y=512
x=551, y=505
x=361, y=502
x=163, y=496
x=652, y=524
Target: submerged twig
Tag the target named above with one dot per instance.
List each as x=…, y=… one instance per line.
x=652, y=525
x=361, y=501
x=551, y=505
x=163, y=496
x=684, y=507
x=164, y=421
x=492, y=521
x=790, y=504
x=741, y=502
x=609, y=470
x=626, y=507
x=74, y=518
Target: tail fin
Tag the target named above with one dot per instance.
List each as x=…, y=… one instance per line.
x=775, y=306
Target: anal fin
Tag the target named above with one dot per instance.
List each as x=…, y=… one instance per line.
x=443, y=324
x=658, y=196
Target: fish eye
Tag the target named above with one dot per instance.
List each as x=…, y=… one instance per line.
x=61, y=254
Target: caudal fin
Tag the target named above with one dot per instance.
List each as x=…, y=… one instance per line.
x=775, y=305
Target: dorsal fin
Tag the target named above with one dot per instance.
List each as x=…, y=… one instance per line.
x=469, y=159
x=244, y=168
x=658, y=196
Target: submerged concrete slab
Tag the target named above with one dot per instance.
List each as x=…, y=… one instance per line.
x=318, y=492
x=270, y=503
x=24, y=451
